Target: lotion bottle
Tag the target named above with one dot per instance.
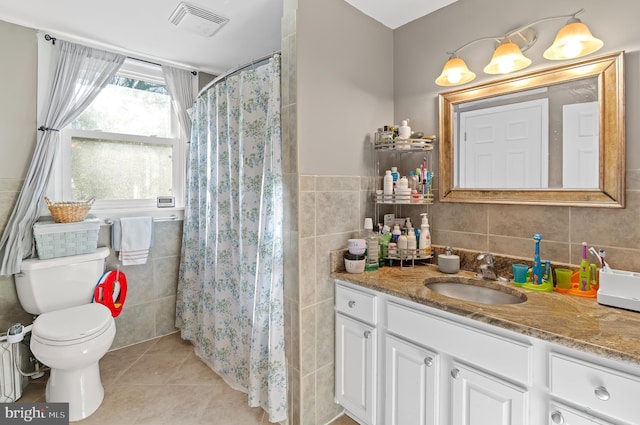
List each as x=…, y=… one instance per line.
x=402, y=245
x=424, y=244
x=411, y=240
x=388, y=186
x=404, y=131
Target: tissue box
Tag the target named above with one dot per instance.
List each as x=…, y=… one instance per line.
x=64, y=239
x=620, y=288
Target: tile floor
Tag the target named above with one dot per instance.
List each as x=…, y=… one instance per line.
x=161, y=382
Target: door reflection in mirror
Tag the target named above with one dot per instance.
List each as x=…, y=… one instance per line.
x=535, y=139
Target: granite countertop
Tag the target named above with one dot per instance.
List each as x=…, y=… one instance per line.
x=574, y=322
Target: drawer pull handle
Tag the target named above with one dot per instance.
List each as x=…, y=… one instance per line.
x=557, y=417
x=428, y=361
x=602, y=393
x=455, y=372
x=352, y=304
x=367, y=334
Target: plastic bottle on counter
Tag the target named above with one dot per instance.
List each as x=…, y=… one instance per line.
x=412, y=244
x=424, y=244
x=385, y=239
x=396, y=233
x=373, y=245
x=402, y=245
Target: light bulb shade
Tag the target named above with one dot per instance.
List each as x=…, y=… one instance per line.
x=455, y=72
x=507, y=58
x=573, y=41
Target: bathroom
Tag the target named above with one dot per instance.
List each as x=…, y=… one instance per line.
x=339, y=89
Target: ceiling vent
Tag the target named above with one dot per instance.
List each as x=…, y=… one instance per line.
x=197, y=20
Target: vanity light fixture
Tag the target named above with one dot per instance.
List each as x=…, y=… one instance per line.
x=572, y=41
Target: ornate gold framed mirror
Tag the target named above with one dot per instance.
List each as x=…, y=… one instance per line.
x=551, y=137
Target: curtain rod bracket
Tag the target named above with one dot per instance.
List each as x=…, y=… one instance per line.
x=51, y=39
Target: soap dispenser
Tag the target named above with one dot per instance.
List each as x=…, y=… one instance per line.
x=424, y=244
x=448, y=263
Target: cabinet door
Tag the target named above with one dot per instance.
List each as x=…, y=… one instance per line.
x=479, y=399
x=355, y=367
x=562, y=415
x=411, y=384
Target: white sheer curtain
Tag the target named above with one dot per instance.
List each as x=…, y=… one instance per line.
x=180, y=85
x=81, y=73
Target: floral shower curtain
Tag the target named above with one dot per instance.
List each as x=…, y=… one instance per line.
x=230, y=292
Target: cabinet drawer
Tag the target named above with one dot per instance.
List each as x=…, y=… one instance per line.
x=357, y=304
x=491, y=352
x=560, y=414
x=607, y=391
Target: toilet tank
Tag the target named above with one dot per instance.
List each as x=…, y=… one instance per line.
x=57, y=283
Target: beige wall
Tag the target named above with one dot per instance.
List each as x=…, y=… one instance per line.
x=17, y=102
x=345, y=86
x=150, y=306
x=17, y=138
x=419, y=53
x=337, y=89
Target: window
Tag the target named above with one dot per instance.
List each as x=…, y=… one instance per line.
x=125, y=148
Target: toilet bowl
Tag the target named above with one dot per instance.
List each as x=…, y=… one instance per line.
x=70, y=334
x=71, y=342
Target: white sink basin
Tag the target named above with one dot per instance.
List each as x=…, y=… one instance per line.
x=477, y=291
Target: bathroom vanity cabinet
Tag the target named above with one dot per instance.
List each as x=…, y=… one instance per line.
x=356, y=352
x=401, y=363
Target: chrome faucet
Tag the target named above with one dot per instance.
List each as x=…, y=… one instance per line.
x=487, y=270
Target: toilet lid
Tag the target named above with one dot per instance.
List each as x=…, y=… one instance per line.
x=70, y=325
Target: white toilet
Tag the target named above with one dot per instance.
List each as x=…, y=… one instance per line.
x=71, y=334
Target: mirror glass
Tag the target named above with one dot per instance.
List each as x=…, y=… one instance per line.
x=554, y=136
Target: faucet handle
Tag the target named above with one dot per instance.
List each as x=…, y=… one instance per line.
x=487, y=257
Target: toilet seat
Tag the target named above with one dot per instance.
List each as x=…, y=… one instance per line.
x=72, y=325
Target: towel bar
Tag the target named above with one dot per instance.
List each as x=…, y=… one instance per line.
x=172, y=217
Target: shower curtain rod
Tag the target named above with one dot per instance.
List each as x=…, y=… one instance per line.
x=233, y=71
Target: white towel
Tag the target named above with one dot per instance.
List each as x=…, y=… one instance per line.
x=135, y=240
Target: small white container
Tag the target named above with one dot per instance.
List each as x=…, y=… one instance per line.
x=403, y=196
x=357, y=246
x=448, y=263
x=354, y=266
x=619, y=288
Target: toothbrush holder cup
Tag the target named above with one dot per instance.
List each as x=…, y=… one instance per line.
x=520, y=273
